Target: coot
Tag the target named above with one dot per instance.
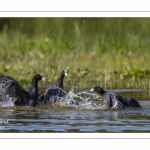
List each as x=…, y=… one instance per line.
x=55, y=91
x=33, y=89
x=59, y=82
x=13, y=92
x=114, y=100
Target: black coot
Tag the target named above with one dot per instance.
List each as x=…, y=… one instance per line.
x=114, y=100
x=33, y=89
x=13, y=92
x=55, y=91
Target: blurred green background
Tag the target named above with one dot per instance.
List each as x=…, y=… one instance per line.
x=112, y=50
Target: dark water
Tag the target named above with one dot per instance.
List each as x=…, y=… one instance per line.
x=89, y=117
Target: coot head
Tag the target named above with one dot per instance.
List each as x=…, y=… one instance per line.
x=97, y=89
x=38, y=77
x=63, y=73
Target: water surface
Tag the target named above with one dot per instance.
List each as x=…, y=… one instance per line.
x=89, y=117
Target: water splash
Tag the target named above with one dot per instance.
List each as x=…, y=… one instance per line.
x=65, y=101
x=89, y=95
x=6, y=104
x=85, y=100
x=82, y=100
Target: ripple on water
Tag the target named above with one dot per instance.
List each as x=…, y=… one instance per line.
x=89, y=116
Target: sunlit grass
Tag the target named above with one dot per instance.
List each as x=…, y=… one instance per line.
x=107, y=51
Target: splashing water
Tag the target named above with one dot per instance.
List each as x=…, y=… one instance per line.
x=65, y=101
x=7, y=103
x=90, y=100
x=90, y=95
x=84, y=99
x=81, y=100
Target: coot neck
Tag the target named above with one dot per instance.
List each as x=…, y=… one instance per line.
x=35, y=83
x=61, y=78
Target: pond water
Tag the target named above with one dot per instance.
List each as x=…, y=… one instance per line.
x=89, y=117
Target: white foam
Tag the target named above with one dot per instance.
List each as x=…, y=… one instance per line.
x=86, y=101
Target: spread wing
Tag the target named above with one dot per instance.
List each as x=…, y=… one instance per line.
x=53, y=95
x=13, y=92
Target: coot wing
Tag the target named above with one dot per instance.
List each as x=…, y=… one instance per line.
x=113, y=100
x=131, y=102
x=13, y=92
x=5, y=78
x=52, y=95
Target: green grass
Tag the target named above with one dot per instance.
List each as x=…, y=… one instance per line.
x=109, y=51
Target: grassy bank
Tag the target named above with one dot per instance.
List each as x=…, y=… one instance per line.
x=108, y=50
